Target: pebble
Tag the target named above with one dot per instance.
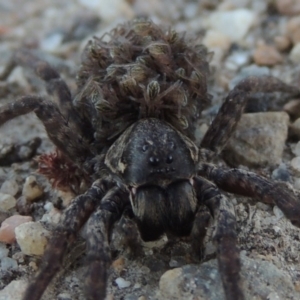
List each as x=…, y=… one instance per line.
x=122, y=283
x=295, y=164
x=23, y=206
x=48, y=206
x=282, y=43
x=258, y=140
x=266, y=55
x=293, y=29
x=7, y=202
x=216, y=39
x=169, y=284
x=297, y=184
x=64, y=296
x=14, y=290
x=235, y=23
x=8, y=263
x=52, y=217
x=296, y=150
x=252, y=70
x=237, y=60
x=278, y=213
x=31, y=189
x=288, y=7
x=52, y=42
x=107, y=9
x=204, y=282
x=281, y=173
x=32, y=238
x=7, y=229
x=294, y=129
x=293, y=108
x=295, y=54
x=3, y=250
x=9, y=187
x=119, y=264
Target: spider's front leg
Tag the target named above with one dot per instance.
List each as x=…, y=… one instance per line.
x=98, y=236
x=73, y=219
x=233, y=107
x=224, y=236
x=252, y=185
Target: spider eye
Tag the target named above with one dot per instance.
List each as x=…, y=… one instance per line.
x=145, y=148
x=169, y=159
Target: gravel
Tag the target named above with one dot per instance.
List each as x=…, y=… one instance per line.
x=242, y=34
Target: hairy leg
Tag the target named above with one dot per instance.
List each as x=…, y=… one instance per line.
x=199, y=231
x=73, y=219
x=55, y=86
x=224, y=236
x=66, y=135
x=98, y=235
x=252, y=185
x=233, y=107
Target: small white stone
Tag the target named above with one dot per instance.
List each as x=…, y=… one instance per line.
x=295, y=164
x=48, y=206
x=31, y=189
x=278, y=213
x=9, y=187
x=52, y=217
x=17, y=75
x=237, y=60
x=32, y=238
x=295, y=54
x=297, y=184
x=14, y=290
x=296, y=150
x=273, y=296
x=8, y=263
x=216, y=39
x=3, y=250
x=110, y=10
x=234, y=24
x=190, y=10
x=52, y=42
x=122, y=283
x=7, y=202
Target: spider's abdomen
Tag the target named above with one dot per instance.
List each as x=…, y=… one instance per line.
x=141, y=70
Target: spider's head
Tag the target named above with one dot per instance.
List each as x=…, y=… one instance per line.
x=151, y=152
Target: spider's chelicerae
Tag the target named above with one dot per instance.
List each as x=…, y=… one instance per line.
x=129, y=131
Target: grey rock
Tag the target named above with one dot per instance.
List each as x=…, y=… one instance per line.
x=259, y=140
x=261, y=280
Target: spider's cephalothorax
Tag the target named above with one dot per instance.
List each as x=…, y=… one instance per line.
x=130, y=129
x=156, y=163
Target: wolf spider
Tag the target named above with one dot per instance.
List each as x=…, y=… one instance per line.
x=151, y=168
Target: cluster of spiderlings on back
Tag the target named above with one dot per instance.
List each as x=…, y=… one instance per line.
x=141, y=70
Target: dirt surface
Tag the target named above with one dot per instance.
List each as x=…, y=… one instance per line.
x=263, y=41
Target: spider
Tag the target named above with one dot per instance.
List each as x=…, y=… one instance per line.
x=130, y=129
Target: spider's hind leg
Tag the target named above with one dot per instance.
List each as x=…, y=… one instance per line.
x=233, y=107
x=56, y=87
x=66, y=135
